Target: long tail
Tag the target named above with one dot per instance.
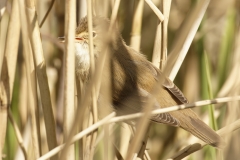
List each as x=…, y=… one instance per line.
x=190, y=122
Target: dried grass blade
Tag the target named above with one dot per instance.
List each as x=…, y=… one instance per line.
x=40, y=66
x=186, y=36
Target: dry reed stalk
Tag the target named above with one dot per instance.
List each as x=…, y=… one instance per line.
x=197, y=15
x=141, y=127
x=232, y=84
x=186, y=36
x=114, y=14
x=3, y=32
x=40, y=67
x=177, y=107
x=225, y=131
x=18, y=134
x=32, y=105
x=32, y=86
x=160, y=50
x=106, y=86
x=26, y=142
x=103, y=88
x=88, y=142
x=144, y=120
x=165, y=41
x=142, y=150
x=142, y=124
x=82, y=9
x=155, y=10
x=111, y=119
x=22, y=106
x=184, y=41
x=48, y=11
x=135, y=42
x=11, y=48
x=69, y=76
x=79, y=89
x=125, y=138
x=147, y=156
x=232, y=114
x=229, y=128
x=81, y=12
x=105, y=105
x=96, y=79
x=107, y=139
x=166, y=5
x=4, y=86
x=226, y=63
x=232, y=81
x=156, y=59
x=118, y=153
x=4, y=79
x=137, y=26
x=78, y=136
x=186, y=151
x=8, y=69
x=3, y=115
x=23, y=112
x=85, y=101
x=94, y=111
x=159, y=57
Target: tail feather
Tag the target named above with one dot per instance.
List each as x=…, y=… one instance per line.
x=191, y=123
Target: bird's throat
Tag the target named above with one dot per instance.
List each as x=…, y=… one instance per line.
x=82, y=60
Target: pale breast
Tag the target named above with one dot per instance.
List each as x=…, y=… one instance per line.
x=82, y=60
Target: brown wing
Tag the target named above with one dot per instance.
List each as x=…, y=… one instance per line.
x=169, y=95
x=166, y=118
x=187, y=119
x=139, y=98
x=168, y=84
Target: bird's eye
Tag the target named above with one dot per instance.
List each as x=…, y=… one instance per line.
x=94, y=34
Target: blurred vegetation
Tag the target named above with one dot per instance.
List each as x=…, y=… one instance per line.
x=215, y=49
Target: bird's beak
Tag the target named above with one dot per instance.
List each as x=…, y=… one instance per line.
x=61, y=39
x=78, y=38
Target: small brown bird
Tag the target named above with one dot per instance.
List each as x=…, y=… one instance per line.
x=133, y=78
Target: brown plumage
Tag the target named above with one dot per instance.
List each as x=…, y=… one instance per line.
x=133, y=78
